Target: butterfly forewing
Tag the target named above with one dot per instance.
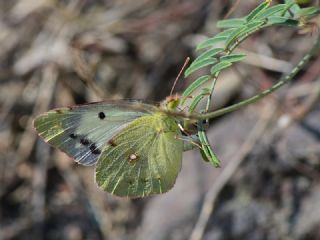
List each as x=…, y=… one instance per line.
x=143, y=159
x=83, y=131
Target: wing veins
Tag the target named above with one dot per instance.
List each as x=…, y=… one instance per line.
x=121, y=156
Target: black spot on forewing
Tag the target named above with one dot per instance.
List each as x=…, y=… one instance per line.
x=97, y=151
x=94, y=149
x=73, y=136
x=101, y=115
x=84, y=141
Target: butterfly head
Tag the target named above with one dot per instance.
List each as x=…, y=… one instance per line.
x=171, y=103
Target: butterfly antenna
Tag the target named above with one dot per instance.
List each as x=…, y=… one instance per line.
x=177, y=78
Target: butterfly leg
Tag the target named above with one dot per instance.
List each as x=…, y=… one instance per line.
x=190, y=142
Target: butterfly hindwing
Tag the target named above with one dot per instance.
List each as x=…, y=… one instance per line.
x=83, y=131
x=142, y=159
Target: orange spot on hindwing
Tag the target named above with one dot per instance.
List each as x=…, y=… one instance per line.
x=112, y=143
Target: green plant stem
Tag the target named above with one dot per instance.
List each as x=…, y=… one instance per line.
x=255, y=98
x=228, y=51
x=207, y=151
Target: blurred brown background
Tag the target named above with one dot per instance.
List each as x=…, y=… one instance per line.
x=268, y=186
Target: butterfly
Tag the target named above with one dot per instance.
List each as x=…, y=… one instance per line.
x=136, y=147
